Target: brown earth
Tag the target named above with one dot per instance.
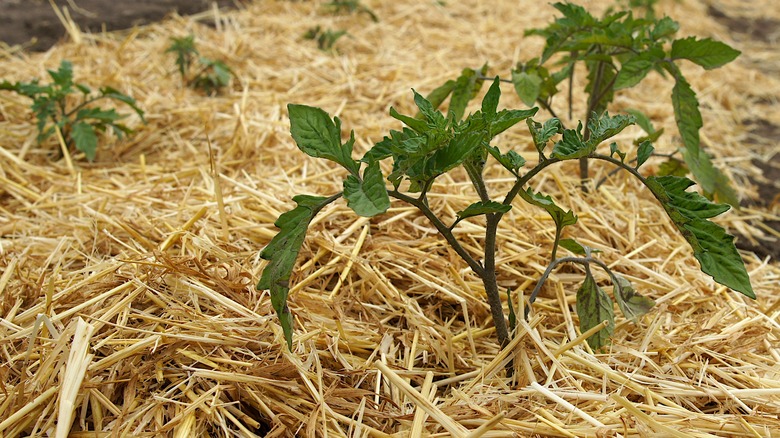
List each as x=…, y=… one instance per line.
x=34, y=23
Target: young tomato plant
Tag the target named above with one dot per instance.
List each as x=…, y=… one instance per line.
x=325, y=38
x=210, y=75
x=79, y=123
x=618, y=51
x=434, y=144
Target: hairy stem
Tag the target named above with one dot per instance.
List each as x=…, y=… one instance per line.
x=523, y=180
x=490, y=281
x=593, y=102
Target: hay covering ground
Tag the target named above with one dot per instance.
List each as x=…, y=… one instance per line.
x=145, y=261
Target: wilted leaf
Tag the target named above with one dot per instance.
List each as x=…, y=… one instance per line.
x=282, y=251
x=630, y=303
x=593, y=307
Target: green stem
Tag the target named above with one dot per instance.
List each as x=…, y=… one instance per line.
x=83, y=104
x=620, y=164
x=442, y=229
x=476, y=179
x=510, y=196
x=595, y=97
x=490, y=281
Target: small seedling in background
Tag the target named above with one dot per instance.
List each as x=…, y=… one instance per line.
x=325, y=39
x=350, y=6
x=434, y=144
x=79, y=124
x=209, y=75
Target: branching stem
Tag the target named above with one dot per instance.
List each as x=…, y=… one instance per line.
x=442, y=229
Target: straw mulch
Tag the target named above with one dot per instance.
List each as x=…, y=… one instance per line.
x=128, y=305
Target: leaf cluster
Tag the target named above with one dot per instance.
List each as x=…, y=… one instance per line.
x=201, y=73
x=78, y=123
x=433, y=144
x=618, y=52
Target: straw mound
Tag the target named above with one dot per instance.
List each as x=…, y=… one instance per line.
x=128, y=302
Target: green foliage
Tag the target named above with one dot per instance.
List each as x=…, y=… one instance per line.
x=350, y=6
x=282, y=252
x=712, y=246
x=434, y=143
x=198, y=72
x=618, y=51
x=79, y=123
x=325, y=38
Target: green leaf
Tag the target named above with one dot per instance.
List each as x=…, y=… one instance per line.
x=689, y=121
x=605, y=126
x=594, y=307
x=505, y=119
x=417, y=125
x=403, y=142
x=427, y=110
x=438, y=95
x=576, y=247
x=185, y=50
x=480, y=208
x=527, y=85
x=466, y=88
x=664, y=27
x=712, y=246
x=573, y=246
x=282, y=251
x=98, y=115
x=453, y=154
x=710, y=178
x=672, y=167
x=512, y=161
x=642, y=120
x=724, y=192
x=318, y=136
x=367, y=197
x=601, y=73
x=601, y=128
x=83, y=88
x=490, y=101
x=84, y=138
x=686, y=114
x=63, y=76
x=643, y=153
x=706, y=52
x=560, y=217
x=113, y=93
x=543, y=133
x=571, y=145
x=613, y=149
x=633, y=70
x=630, y=303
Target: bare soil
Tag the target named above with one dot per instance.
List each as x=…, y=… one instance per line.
x=34, y=24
